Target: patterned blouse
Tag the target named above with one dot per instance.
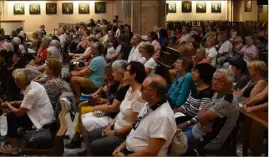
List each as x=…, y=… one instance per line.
x=54, y=90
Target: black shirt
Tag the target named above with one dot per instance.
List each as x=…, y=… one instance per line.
x=120, y=97
x=121, y=93
x=241, y=82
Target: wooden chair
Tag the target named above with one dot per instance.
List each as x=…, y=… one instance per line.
x=57, y=148
x=163, y=70
x=229, y=147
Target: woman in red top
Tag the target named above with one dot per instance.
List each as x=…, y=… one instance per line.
x=42, y=52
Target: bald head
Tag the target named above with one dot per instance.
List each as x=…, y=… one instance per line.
x=158, y=84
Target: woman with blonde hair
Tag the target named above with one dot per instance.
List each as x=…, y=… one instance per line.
x=257, y=83
x=53, y=84
x=200, y=56
x=147, y=51
x=211, y=52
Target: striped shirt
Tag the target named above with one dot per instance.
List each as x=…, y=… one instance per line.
x=196, y=101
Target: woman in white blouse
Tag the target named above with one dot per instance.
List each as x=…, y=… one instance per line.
x=113, y=50
x=103, y=141
x=34, y=110
x=147, y=52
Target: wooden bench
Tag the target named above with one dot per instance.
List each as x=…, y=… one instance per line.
x=229, y=147
x=253, y=126
x=169, y=55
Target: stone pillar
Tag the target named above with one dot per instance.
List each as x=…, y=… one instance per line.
x=147, y=14
x=120, y=9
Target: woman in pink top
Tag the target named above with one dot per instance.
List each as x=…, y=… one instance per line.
x=249, y=51
x=84, y=39
x=185, y=34
x=153, y=39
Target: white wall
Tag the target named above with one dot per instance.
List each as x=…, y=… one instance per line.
x=198, y=16
x=249, y=16
x=32, y=22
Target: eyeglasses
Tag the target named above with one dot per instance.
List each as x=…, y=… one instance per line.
x=144, y=89
x=127, y=70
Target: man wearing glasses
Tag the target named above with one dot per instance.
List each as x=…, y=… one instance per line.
x=135, y=55
x=155, y=125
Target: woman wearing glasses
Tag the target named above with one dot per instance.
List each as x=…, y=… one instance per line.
x=103, y=141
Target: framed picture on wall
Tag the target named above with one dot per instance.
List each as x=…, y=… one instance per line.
x=51, y=8
x=100, y=7
x=200, y=7
x=172, y=7
x=67, y=8
x=248, y=6
x=18, y=9
x=83, y=8
x=216, y=7
x=186, y=6
x=34, y=8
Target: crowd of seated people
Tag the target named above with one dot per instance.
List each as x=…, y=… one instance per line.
x=124, y=107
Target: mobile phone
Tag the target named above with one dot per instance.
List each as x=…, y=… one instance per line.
x=85, y=98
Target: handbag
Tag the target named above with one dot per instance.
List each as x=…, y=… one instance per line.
x=41, y=138
x=99, y=113
x=179, y=144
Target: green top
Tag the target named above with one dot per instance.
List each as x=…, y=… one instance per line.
x=97, y=66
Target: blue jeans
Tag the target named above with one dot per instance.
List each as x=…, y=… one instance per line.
x=192, y=141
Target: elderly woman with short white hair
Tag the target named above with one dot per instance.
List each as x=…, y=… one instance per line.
x=35, y=70
x=54, y=52
x=9, y=47
x=16, y=41
x=35, y=108
x=110, y=105
x=56, y=44
x=42, y=52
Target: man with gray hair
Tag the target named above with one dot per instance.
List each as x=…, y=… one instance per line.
x=155, y=125
x=62, y=36
x=135, y=55
x=218, y=119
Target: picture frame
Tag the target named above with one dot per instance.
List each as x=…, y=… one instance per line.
x=100, y=7
x=51, y=8
x=186, y=6
x=83, y=8
x=172, y=7
x=34, y=8
x=67, y=8
x=200, y=7
x=18, y=9
x=216, y=7
x=248, y=6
